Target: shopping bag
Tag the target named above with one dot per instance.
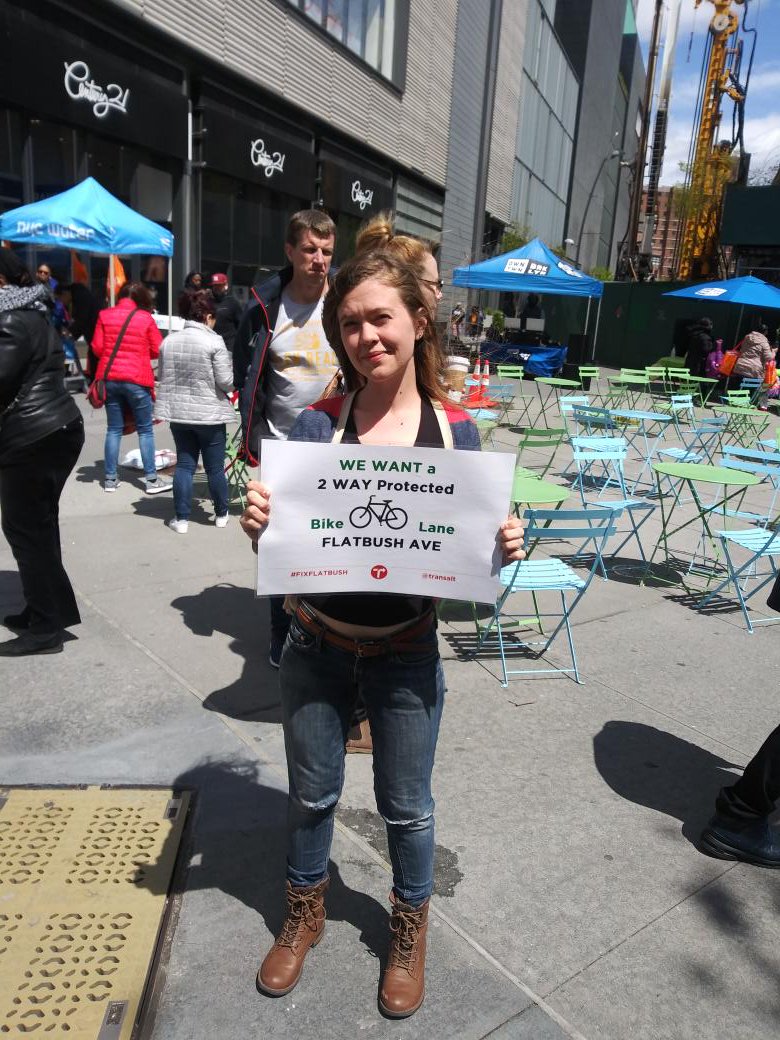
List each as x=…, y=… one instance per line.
x=770, y=373
x=728, y=362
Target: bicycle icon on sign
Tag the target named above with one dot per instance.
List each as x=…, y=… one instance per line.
x=380, y=510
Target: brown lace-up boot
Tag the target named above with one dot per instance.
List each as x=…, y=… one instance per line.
x=303, y=927
x=403, y=983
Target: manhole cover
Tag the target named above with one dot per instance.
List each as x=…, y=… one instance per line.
x=84, y=880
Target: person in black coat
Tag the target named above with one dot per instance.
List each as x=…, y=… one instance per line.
x=41, y=436
x=229, y=310
x=699, y=344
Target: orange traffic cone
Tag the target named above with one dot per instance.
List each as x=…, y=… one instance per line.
x=484, y=401
x=475, y=390
x=486, y=386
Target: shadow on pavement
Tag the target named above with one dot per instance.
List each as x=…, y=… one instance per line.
x=236, y=612
x=651, y=767
x=237, y=845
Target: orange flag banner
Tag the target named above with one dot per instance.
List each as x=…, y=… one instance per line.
x=78, y=271
x=117, y=273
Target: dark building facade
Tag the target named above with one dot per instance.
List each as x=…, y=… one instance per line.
x=601, y=42
x=196, y=125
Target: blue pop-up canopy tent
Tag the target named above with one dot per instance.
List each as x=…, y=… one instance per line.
x=90, y=219
x=533, y=268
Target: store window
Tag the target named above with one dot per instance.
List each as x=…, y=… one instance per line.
x=371, y=29
x=243, y=227
x=54, y=158
x=10, y=160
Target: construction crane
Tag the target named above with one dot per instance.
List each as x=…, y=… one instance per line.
x=712, y=166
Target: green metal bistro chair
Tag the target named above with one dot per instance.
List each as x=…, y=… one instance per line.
x=586, y=529
x=759, y=544
x=588, y=375
x=522, y=401
x=539, y=439
x=235, y=468
x=510, y=371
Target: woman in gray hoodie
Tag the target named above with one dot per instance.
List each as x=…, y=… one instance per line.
x=195, y=377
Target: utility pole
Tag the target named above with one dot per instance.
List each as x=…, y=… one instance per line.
x=630, y=247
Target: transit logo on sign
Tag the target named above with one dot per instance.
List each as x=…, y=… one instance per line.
x=379, y=571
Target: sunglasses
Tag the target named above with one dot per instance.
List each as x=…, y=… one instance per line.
x=438, y=284
x=44, y=270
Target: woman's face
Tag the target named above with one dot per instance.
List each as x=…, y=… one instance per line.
x=377, y=330
x=430, y=280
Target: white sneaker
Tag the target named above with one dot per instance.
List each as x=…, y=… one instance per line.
x=179, y=526
x=110, y=484
x=221, y=521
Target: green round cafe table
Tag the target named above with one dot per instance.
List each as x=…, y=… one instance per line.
x=745, y=425
x=555, y=385
x=733, y=484
x=531, y=491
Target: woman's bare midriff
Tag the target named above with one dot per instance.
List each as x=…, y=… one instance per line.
x=344, y=628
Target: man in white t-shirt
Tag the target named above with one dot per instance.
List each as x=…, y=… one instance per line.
x=282, y=361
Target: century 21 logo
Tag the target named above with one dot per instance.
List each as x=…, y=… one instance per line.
x=379, y=571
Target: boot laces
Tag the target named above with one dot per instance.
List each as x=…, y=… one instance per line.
x=301, y=913
x=405, y=926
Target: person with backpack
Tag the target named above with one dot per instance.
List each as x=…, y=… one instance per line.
x=699, y=345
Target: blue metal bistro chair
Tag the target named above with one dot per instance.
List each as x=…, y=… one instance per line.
x=584, y=529
x=759, y=544
x=599, y=462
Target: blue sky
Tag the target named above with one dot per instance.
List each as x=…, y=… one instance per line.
x=762, y=108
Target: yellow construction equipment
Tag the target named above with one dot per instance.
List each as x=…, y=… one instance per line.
x=712, y=166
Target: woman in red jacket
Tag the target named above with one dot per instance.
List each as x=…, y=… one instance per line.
x=130, y=380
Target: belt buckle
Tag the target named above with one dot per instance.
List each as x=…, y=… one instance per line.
x=363, y=647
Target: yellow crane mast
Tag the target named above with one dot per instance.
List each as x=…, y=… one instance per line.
x=712, y=165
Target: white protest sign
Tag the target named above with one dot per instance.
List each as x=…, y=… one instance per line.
x=353, y=518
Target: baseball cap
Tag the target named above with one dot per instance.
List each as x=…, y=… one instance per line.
x=219, y=279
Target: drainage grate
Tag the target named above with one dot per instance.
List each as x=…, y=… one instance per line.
x=84, y=878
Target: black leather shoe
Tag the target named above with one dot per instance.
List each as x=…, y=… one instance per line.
x=755, y=843
x=19, y=621
x=26, y=644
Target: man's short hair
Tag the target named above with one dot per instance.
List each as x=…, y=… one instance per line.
x=315, y=220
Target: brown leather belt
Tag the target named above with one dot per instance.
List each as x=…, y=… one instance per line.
x=397, y=642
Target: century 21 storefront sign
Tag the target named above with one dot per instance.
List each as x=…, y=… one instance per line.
x=80, y=86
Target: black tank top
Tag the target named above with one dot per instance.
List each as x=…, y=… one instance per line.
x=383, y=608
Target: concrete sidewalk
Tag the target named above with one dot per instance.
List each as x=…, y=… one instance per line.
x=571, y=900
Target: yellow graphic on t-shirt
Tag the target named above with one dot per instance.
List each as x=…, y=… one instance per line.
x=307, y=358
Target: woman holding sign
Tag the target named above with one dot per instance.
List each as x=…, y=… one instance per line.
x=383, y=647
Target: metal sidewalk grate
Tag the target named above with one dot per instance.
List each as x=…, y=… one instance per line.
x=84, y=879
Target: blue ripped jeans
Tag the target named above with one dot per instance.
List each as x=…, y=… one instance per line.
x=404, y=696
